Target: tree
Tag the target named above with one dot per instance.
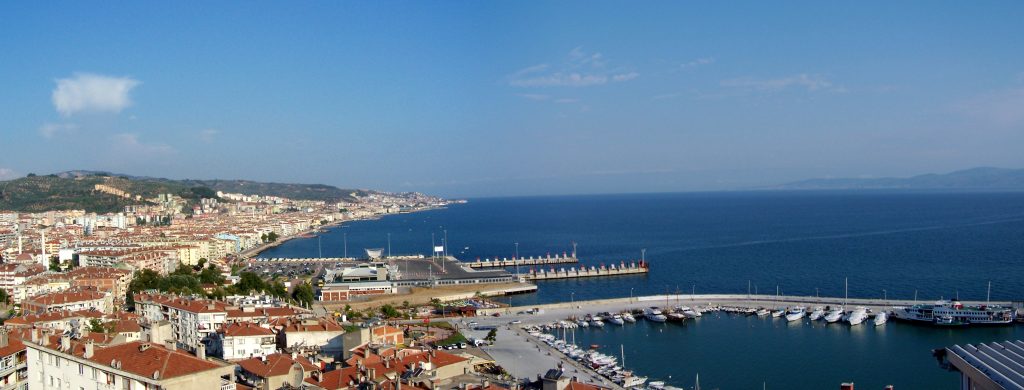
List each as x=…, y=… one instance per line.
x=211, y=275
x=249, y=282
x=3, y=296
x=272, y=236
x=202, y=262
x=264, y=237
x=389, y=311
x=54, y=264
x=303, y=293
x=492, y=335
x=278, y=289
x=129, y=301
x=96, y=326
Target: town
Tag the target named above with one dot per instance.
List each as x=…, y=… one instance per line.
x=167, y=294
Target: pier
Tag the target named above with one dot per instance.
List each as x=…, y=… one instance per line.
x=593, y=271
x=527, y=261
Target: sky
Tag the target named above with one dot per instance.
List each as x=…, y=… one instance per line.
x=474, y=98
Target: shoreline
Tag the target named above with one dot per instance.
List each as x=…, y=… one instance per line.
x=257, y=250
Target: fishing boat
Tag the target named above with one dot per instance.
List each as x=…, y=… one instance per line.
x=881, y=318
x=675, y=316
x=796, y=313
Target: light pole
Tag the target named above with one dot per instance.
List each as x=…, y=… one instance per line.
x=885, y=295
x=516, y=259
x=630, y=295
x=344, y=237
x=389, y=245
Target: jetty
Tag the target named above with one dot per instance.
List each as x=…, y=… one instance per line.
x=565, y=258
x=622, y=268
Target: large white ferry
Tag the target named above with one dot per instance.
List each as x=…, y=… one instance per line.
x=955, y=313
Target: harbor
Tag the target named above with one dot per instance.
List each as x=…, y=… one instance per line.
x=724, y=328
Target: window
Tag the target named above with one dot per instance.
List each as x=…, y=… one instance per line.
x=81, y=369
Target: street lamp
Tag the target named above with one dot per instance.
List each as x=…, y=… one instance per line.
x=630, y=294
x=885, y=295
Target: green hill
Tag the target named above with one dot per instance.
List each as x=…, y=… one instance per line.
x=76, y=190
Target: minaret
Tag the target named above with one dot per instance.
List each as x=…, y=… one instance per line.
x=19, y=243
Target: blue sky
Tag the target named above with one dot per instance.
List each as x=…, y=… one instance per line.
x=512, y=98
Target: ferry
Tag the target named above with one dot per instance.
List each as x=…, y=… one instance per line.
x=955, y=313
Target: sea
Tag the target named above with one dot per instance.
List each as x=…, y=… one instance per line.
x=893, y=244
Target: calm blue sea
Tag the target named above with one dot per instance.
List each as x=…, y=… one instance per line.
x=938, y=244
x=893, y=243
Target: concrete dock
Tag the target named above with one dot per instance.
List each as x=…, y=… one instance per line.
x=584, y=272
x=526, y=261
x=741, y=300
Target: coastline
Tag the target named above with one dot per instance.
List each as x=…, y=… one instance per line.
x=257, y=250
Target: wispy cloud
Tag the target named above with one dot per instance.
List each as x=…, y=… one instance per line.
x=533, y=96
x=566, y=101
x=50, y=130
x=1004, y=108
x=666, y=96
x=86, y=92
x=697, y=63
x=579, y=69
x=7, y=174
x=208, y=135
x=130, y=142
x=810, y=82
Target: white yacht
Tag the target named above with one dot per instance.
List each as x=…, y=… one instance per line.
x=582, y=323
x=762, y=312
x=857, y=316
x=796, y=313
x=596, y=323
x=628, y=317
x=617, y=320
x=881, y=318
x=817, y=314
x=778, y=313
x=654, y=314
x=689, y=312
x=834, y=315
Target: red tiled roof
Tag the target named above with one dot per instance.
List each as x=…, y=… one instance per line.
x=276, y=364
x=245, y=329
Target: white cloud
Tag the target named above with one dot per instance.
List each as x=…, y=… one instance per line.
x=579, y=69
x=698, y=62
x=50, y=130
x=810, y=82
x=207, y=135
x=8, y=174
x=86, y=92
x=129, y=142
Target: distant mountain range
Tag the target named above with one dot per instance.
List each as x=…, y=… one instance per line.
x=984, y=178
x=76, y=190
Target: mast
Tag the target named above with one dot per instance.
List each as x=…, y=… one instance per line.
x=622, y=354
x=847, y=288
x=988, y=297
